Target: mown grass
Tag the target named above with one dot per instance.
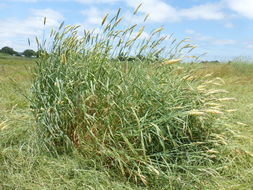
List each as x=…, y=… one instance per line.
x=24, y=167
x=238, y=77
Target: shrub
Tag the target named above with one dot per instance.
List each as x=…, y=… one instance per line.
x=8, y=50
x=29, y=53
x=145, y=118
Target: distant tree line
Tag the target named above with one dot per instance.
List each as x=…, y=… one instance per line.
x=26, y=53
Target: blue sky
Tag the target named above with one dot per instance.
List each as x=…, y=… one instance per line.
x=221, y=28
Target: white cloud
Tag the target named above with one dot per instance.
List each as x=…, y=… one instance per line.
x=248, y=45
x=196, y=36
x=206, y=11
x=96, y=1
x=3, y=5
x=25, y=1
x=52, y=17
x=242, y=7
x=18, y=31
x=208, y=40
x=229, y=25
x=223, y=42
x=190, y=31
x=160, y=11
x=95, y=15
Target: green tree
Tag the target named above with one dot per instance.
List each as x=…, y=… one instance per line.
x=8, y=50
x=29, y=53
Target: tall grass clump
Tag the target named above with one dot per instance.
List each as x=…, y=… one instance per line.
x=118, y=99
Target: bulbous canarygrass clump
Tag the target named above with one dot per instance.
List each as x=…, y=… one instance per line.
x=118, y=100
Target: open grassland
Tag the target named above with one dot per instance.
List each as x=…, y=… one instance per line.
x=23, y=166
x=238, y=77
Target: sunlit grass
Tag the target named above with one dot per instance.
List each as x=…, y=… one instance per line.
x=144, y=119
x=238, y=77
x=23, y=166
x=104, y=121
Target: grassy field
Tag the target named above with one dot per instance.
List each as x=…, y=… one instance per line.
x=23, y=166
x=238, y=77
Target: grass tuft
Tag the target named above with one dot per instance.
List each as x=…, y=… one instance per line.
x=23, y=165
x=145, y=119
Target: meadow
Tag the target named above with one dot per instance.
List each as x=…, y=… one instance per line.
x=24, y=166
x=112, y=110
